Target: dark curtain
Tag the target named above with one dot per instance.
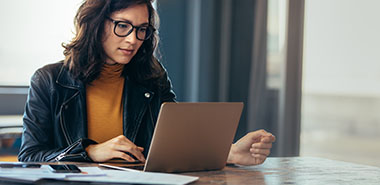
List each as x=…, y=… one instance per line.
x=215, y=51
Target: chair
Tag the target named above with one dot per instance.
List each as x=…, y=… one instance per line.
x=10, y=137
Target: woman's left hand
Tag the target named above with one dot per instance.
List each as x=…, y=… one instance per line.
x=252, y=149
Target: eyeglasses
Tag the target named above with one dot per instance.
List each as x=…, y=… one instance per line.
x=124, y=28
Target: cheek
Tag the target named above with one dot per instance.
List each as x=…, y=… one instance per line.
x=110, y=43
x=109, y=40
x=105, y=41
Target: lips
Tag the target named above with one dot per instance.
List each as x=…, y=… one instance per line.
x=126, y=51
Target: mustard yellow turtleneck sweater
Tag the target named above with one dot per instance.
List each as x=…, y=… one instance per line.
x=104, y=106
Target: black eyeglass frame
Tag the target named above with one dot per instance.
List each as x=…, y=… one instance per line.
x=133, y=27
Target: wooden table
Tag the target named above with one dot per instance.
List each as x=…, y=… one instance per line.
x=295, y=170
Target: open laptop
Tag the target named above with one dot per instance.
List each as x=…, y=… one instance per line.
x=192, y=137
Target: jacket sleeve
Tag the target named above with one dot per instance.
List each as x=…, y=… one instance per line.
x=38, y=128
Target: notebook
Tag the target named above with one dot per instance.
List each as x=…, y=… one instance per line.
x=191, y=137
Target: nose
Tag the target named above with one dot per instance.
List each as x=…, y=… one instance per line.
x=131, y=38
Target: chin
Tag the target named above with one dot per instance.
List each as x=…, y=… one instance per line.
x=119, y=60
x=123, y=61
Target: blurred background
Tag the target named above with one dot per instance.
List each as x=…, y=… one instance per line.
x=306, y=70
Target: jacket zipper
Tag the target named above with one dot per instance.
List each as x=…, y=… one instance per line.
x=63, y=127
x=64, y=154
x=67, y=155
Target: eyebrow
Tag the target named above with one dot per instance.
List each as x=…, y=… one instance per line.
x=128, y=21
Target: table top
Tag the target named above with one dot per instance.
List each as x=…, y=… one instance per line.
x=285, y=170
x=293, y=170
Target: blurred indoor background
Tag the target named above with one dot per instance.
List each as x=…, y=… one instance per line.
x=306, y=70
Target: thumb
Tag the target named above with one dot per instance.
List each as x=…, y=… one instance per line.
x=257, y=135
x=268, y=139
x=140, y=148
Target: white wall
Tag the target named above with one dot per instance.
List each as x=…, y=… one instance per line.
x=341, y=81
x=342, y=47
x=31, y=35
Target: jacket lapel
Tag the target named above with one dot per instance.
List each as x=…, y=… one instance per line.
x=74, y=114
x=136, y=100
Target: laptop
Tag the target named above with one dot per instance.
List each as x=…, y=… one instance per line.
x=191, y=137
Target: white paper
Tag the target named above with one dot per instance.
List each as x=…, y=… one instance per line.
x=114, y=176
x=95, y=174
x=29, y=174
x=33, y=174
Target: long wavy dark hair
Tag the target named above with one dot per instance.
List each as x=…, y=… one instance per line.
x=85, y=56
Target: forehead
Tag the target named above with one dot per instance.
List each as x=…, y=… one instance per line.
x=136, y=14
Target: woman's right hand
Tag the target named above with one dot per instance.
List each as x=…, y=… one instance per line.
x=115, y=148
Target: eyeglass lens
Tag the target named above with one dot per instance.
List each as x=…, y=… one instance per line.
x=124, y=29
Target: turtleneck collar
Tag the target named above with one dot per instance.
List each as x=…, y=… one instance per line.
x=111, y=71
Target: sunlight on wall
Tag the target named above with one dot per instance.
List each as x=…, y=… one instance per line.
x=342, y=47
x=341, y=92
x=31, y=36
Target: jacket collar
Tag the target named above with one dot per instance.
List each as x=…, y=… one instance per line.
x=66, y=80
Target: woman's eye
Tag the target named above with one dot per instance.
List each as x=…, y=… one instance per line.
x=121, y=25
x=143, y=29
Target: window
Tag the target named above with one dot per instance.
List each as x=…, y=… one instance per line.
x=31, y=36
x=341, y=92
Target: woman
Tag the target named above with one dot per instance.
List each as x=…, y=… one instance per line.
x=102, y=101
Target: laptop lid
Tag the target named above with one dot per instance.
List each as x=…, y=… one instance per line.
x=193, y=136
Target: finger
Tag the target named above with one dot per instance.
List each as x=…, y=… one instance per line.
x=124, y=156
x=132, y=149
x=268, y=139
x=137, y=153
x=259, y=156
x=258, y=134
x=259, y=159
x=264, y=133
x=121, y=143
x=264, y=152
x=262, y=145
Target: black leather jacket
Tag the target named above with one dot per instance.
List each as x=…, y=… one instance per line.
x=55, y=118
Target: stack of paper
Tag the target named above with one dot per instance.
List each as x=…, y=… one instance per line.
x=95, y=174
x=33, y=174
x=114, y=176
